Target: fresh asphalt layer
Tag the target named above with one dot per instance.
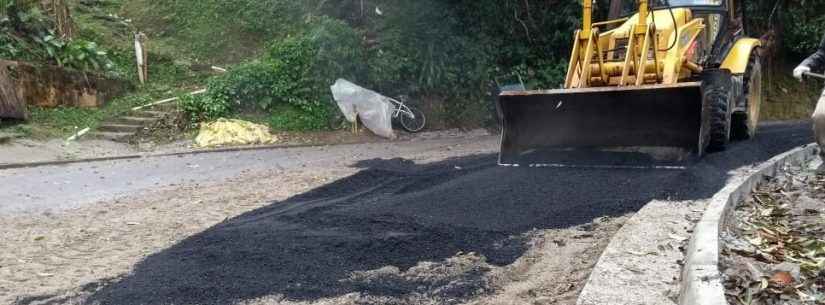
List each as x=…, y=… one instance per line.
x=393, y=213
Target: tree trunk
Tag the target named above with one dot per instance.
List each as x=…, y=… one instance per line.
x=11, y=105
x=59, y=10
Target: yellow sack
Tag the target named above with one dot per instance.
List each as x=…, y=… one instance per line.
x=226, y=132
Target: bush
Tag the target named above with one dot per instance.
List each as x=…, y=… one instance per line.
x=799, y=24
x=425, y=48
x=28, y=34
x=292, y=80
x=247, y=87
x=309, y=64
x=83, y=55
x=291, y=118
x=204, y=108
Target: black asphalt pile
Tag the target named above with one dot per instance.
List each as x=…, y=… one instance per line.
x=394, y=216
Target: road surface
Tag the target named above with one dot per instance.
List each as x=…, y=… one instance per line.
x=448, y=229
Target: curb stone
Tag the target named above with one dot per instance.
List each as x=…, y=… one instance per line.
x=639, y=267
x=701, y=278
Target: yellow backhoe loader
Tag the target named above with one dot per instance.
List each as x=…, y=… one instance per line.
x=670, y=81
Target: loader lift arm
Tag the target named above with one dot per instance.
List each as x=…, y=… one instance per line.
x=638, y=87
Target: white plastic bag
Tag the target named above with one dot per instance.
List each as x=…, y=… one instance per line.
x=355, y=102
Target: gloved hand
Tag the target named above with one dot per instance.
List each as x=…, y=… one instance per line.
x=800, y=71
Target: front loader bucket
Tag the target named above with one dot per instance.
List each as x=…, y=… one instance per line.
x=571, y=125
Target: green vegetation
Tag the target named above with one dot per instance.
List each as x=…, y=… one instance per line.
x=98, y=25
x=788, y=99
x=291, y=81
x=797, y=25
x=28, y=34
x=794, y=29
x=284, y=54
x=447, y=54
x=166, y=79
x=61, y=122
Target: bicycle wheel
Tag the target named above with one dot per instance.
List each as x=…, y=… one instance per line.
x=410, y=123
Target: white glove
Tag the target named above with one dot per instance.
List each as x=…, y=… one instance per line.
x=800, y=71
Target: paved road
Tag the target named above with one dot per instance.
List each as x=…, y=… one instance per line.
x=335, y=240
x=54, y=188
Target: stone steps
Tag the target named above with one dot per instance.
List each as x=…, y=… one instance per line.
x=133, y=120
x=114, y=127
x=112, y=135
x=6, y=136
x=123, y=128
x=148, y=114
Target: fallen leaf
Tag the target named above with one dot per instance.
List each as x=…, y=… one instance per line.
x=782, y=279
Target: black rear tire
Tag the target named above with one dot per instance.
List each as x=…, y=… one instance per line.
x=744, y=124
x=410, y=124
x=717, y=98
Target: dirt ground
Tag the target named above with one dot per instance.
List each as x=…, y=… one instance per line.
x=51, y=253
x=71, y=257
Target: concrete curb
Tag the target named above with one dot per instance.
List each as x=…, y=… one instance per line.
x=701, y=278
x=638, y=266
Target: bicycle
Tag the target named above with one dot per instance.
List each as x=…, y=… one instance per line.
x=411, y=119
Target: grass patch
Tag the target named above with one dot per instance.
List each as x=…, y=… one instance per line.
x=168, y=76
x=290, y=118
x=285, y=118
x=788, y=99
x=205, y=31
x=61, y=122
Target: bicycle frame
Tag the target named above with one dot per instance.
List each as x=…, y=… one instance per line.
x=815, y=75
x=400, y=107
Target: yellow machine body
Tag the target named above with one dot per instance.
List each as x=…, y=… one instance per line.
x=737, y=59
x=654, y=52
x=635, y=86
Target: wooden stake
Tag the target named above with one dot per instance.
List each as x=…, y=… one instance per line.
x=142, y=57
